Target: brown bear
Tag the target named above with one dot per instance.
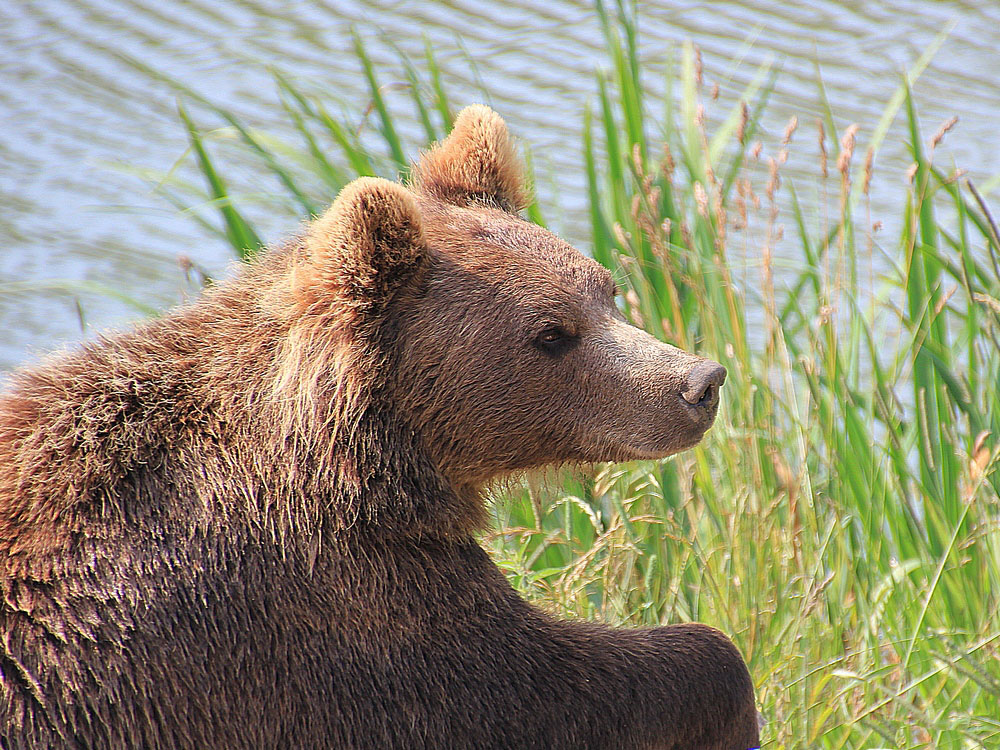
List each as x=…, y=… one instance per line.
x=251, y=523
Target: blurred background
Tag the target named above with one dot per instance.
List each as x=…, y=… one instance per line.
x=88, y=125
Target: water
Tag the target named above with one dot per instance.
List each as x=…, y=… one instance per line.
x=77, y=120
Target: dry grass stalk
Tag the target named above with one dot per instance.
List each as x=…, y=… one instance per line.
x=822, y=147
x=719, y=208
x=741, y=204
x=869, y=160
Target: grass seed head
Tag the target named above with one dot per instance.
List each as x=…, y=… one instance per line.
x=847, y=144
x=789, y=130
x=701, y=199
x=945, y=127
x=774, y=179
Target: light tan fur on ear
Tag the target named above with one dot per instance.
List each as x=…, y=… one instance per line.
x=369, y=242
x=476, y=163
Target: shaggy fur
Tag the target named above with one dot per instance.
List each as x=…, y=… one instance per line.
x=250, y=523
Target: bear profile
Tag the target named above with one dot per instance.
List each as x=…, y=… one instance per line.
x=250, y=523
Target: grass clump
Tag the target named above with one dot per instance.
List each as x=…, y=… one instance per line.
x=842, y=519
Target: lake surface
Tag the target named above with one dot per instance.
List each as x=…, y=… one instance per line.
x=78, y=121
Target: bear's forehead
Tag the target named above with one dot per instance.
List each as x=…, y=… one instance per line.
x=496, y=242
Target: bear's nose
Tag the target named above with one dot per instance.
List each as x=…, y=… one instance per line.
x=703, y=383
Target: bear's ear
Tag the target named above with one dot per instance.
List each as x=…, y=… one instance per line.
x=368, y=243
x=476, y=163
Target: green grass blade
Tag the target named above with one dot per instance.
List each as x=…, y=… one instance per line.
x=386, y=127
x=440, y=99
x=416, y=93
x=240, y=234
x=358, y=157
x=332, y=176
x=602, y=243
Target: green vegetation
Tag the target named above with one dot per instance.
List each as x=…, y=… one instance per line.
x=842, y=519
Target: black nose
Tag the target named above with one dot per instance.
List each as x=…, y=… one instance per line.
x=703, y=383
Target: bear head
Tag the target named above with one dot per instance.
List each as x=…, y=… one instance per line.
x=492, y=342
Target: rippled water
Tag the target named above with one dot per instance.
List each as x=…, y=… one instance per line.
x=76, y=116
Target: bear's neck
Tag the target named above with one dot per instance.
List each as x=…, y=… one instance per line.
x=356, y=465
x=376, y=474
x=351, y=453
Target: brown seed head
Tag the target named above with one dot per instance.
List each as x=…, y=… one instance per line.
x=774, y=180
x=847, y=149
x=701, y=200
x=637, y=160
x=945, y=127
x=668, y=162
x=789, y=130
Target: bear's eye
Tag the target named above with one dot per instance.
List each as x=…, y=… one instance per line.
x=554, y=339
x=551, y=336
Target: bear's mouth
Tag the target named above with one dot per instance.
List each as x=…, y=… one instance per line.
x=649, y=450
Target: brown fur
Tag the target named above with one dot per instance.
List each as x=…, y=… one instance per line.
x=250, y=523
x=476, y=165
